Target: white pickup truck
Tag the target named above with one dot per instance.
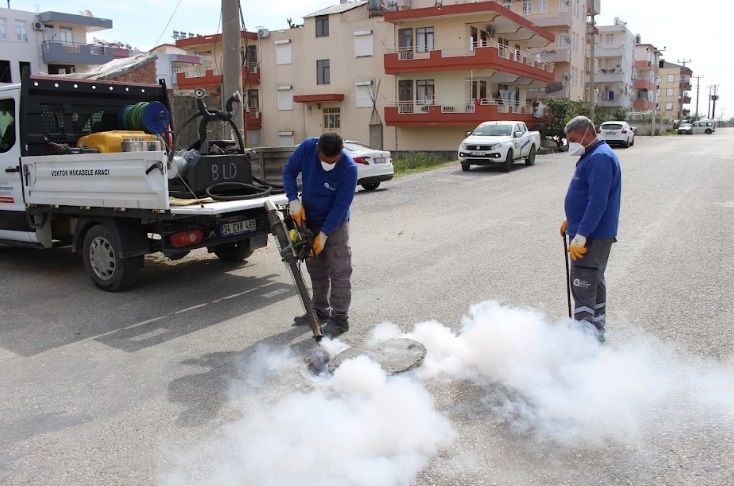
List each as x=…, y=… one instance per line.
x=499, y=142
x=64, y=181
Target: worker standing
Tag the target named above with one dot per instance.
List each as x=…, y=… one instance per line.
x=592, y=217
x=329, y=177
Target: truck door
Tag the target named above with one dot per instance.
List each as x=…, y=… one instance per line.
x=13, y=223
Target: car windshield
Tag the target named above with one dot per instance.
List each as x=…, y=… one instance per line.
x=493, y=131
x=611, y=126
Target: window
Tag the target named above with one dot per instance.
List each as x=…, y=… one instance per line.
x=286, y=139
x=7, y=124
x=671, y=78
x=253, y=99
x=405, y=96
x=48, y=33
x=405, y=43
x=542, y=6
x=66, y=36
x=21, y=30
x=563, y=5
x=424, y=91
x=609, y=39
x=3, y=28
x=508, y=4
x=23, y=67
x=527, y=7
x=283, y=52
x=563, y=39
x=250, y=58
x=669, y=106
x=424, y=39
x=285, y=98
x=323, y=71
x=322, y=26
x=5, y=76
x=332, y=118
x=363, y=43
x=669, y=92
x=364, y=94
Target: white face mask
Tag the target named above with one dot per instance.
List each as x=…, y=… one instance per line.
x=575, y=149
x=327, y=167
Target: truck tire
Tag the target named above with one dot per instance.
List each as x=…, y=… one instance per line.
x=507, y=165
x=233, y=252
x=106, y=268
x=465, y=167
x=530, y=159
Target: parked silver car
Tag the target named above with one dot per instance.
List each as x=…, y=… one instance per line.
x=617, y=133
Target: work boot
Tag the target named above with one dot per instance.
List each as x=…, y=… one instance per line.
x=303, y=320
x=335, y=327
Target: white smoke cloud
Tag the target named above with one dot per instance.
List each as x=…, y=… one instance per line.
x=550, y=382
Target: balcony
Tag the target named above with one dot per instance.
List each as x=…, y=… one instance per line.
x=89, y=23
x=562, y=54
x=642, y=105
x=612, y=75
x=492, y=56
x=554, y=19
x=686, y=100
x=75, y=53
x=643, y=65
x=606, y=50
x=250, y=75
x=644, y=84
x=459, y=114
x=253, y=118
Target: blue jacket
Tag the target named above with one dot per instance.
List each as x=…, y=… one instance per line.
x=594, y=195
x=326, y=196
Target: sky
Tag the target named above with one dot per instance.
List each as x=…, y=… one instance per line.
x=685, y=33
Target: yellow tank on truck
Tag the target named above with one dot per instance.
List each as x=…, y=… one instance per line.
x=111, y=141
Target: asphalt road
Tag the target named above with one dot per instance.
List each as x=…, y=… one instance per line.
x=154, y=385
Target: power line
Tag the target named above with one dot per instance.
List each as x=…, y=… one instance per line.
x=169, y=23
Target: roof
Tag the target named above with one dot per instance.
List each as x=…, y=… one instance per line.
x=336, y=9
x=114, y=68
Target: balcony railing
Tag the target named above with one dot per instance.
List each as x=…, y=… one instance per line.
x=462, y=106
x=76, y=53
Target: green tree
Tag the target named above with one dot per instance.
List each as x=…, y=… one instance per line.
x=558, y=112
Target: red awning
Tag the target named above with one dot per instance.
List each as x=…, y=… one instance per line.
x=318, y=98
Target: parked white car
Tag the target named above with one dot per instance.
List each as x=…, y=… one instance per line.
x=617, y=133
x=373, y=166
x=703, y=126
x=496, y=142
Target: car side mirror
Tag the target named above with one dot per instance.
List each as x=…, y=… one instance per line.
x=518, y=134
x=468, y=133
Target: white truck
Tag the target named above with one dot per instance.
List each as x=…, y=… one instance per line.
x=71, y=175
x=499, y=142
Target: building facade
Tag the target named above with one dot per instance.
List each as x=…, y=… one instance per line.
x=675, y=87
x=49, y=42
x=614, y=67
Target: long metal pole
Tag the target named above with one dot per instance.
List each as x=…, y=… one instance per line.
x=232, y=59
x=680, y=90
x=698, y=87
x=592, y=98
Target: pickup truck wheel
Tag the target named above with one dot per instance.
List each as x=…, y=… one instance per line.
x=233, y=252
x=530, y=159
x=107, y=269
x=370, y=186
x=465, y=167
x=507, y=166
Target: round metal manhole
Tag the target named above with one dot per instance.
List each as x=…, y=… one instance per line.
x=394, y=355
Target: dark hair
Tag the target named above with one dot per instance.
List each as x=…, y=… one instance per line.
x=331, y=144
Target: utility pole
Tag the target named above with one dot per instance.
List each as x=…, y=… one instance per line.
x=232, y=60
x=680, y=86
x=591, y=28
x=698, y=86
x=714, y=97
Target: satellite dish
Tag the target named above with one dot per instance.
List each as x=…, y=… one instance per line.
x=87, y=13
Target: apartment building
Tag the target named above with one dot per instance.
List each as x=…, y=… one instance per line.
x=566, y=20
x=405, y=75
x=675, y=86
x=647, y=77
x=50, y=42
x=614, y=67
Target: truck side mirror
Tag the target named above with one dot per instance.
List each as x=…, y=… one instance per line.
x=518, y=134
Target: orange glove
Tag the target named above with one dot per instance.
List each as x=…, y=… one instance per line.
x=577, y=247
x=564, y=227
x=298, y=214
x=318, y=244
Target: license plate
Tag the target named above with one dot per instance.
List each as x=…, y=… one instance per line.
x=379, y=160
x=479, y=153
x=610, y=133
x=237, y=228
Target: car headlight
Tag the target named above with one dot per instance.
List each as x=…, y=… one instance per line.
x=463, y=147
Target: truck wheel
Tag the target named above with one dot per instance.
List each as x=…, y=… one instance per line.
x=507, y=166
x=465, y=167
x=370, y=186
x=530, y=159
x=233, y=252
x=106, y=268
